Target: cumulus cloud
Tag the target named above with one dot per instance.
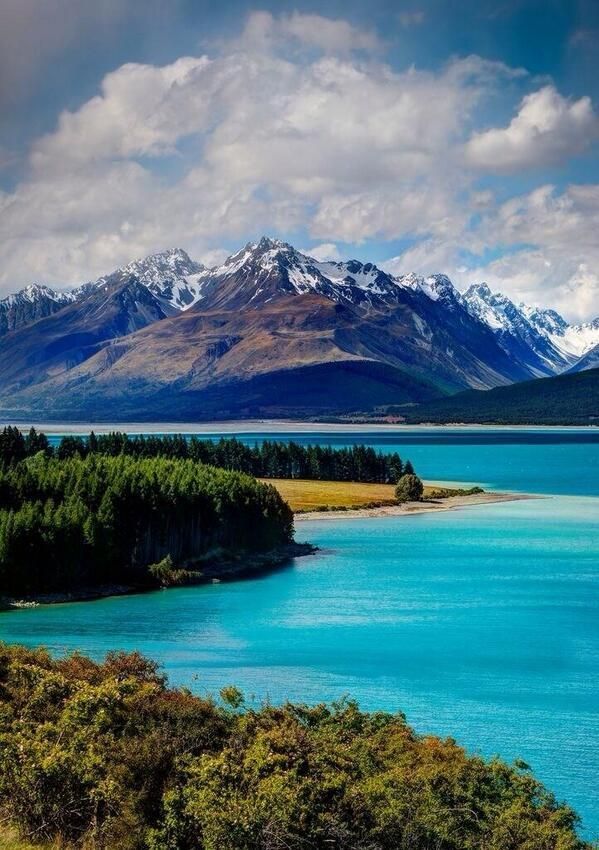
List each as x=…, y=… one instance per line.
x=549, y=255
x=323, y=252
x=546, y=240
x=547, y=128
x=218, y=147
x=559, y=264
x=297, y=126
x=426, y=257
x=265, y=31
x=213, y=257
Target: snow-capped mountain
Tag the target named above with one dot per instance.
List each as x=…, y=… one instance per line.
x=172, y=276
x=547, y=322
x=437, y=287
x=30, y=304
x=575, y=340
x=553, y=345
x=270, y=330
x=269, y=269
x=517, y=335
x=589, y=360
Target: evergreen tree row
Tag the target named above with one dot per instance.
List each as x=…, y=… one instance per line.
x=270, y=459
x=79, y=521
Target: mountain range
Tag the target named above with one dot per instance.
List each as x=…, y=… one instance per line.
x=269, y=332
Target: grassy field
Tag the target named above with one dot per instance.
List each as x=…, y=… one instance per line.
x=313, y=495
x=303, y=495
x=310, y=495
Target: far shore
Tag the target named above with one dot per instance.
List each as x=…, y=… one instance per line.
x=450, y=503
x=271, y=426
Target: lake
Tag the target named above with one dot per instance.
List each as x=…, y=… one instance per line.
x=481, y=623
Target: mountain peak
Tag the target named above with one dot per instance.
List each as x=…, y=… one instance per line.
x=264, y=254
x=173, y=261
x=268, y=243
x=31, y=293
x=483, y=290
x=438, y=287
x=547, y=321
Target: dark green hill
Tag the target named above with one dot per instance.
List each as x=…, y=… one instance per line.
x=564, y=400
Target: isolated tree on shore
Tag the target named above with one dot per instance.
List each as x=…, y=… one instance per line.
x=409, y=489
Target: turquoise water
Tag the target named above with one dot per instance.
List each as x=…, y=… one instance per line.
x=480, y=623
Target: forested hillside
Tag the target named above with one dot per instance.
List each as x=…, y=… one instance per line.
x=270, y=459
x=74, y=521
x=106, y=756
x=571, y=399
x=111, y=508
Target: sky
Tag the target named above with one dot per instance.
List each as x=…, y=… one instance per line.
x=426, y=136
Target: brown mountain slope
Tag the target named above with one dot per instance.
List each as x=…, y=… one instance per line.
x=272, y=329
x=54, y=345
x=304, y=353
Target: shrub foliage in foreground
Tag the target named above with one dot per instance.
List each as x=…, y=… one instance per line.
x=106, y=756
x=66, y=523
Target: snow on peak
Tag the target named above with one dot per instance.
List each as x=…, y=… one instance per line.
x=577, y=340
x=548, y=333
x=437, y=287
x=492, y=308
x=173, y=263
x=573, y=341
x=33, y=293
x=270, y=265
x=299, y=273
x=546, y=321
x=171, y=275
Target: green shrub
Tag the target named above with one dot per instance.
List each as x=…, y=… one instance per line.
x=106, y=756
x=409, y=489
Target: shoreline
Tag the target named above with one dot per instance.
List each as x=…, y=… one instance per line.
x=240, y=567
x=450, y=503
x=234, y=568
x=59, y=427
x=244, y=566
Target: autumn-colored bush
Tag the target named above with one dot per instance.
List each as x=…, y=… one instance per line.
x=107, y=756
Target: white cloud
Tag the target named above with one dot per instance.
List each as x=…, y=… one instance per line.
x=388, y=213
x=545, y=278
x=550, y=253
x=214, y=257
x=338, y=146
x=559, y=265
x=547, y=128
x=142, y=110
x=266, y=31
x=296, y=126
x=323, y=252
x=425, y=258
